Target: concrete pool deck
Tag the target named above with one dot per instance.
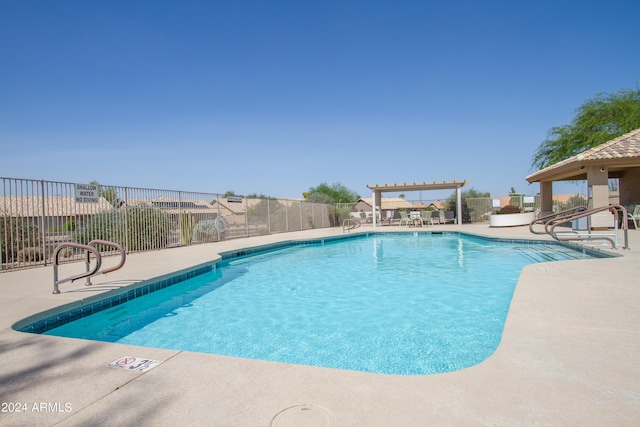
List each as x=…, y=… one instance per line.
x=569, y=355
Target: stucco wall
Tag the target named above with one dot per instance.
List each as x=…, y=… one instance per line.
x=630, y=187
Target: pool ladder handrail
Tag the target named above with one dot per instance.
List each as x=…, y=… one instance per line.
x=350, y=224
x=89, y=249
x=551, y=217
x=618, y=211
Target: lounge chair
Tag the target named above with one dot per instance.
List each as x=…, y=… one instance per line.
x=426, y=217
x=404, y=218
x=449, y=216
x=388, y=217
x=435, y=215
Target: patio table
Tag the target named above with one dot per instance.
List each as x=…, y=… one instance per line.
x=416, y=218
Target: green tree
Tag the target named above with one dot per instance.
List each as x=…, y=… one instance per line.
x=515, y=198
x=597, y=121
x=335, y=193
x=108, y=193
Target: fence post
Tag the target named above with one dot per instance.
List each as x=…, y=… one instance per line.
x=268, y=217
x=179, y=217
x=218, y=213
x=44, y=243
x=286, y=215
x=126, y=220
x=246, y=216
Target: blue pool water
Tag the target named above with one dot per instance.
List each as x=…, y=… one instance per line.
x=396, y=304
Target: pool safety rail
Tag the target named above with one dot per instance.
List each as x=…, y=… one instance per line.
x=89, y=249
x=556, y=215
x=551, y=222
x=350, y=224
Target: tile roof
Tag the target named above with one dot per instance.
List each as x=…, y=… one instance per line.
x=32, y=206
x=390, y=202
x=241, y=207
x=625, y=146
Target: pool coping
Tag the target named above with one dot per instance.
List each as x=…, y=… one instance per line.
x=568, y=356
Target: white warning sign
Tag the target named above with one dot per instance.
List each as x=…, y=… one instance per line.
x=134, y=363
x=86, y=193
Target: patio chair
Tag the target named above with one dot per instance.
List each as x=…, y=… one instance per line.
x=388, y=217
x=435, y=215
x=449, y=216
x=425, y=217
x=404, y=218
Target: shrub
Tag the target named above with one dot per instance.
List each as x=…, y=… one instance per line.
x=15, y=234
x=509, y=209
x=137, y=228
x=32, y=254
x=339, y=214
x=271, y=211
x=205, y=232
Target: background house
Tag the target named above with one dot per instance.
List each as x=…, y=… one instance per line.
x=389, y=204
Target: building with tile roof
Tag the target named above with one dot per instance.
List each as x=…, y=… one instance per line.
x=365, y=204
x=618, y=158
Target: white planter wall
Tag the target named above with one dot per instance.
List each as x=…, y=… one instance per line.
x=511, y=220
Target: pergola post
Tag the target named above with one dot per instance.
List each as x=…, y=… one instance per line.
x=598, y=189
x=459, y=205
x=546, y=198
x=375, y=201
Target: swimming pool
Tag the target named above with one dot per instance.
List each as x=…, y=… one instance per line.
x=406, y=304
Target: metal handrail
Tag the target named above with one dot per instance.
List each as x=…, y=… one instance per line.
x=553, y=216
x=123, y=257
x=89, y=249
x=88, y=273
x=551, y=225
x=350, y=224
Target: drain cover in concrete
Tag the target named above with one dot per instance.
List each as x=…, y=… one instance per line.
x=303, y=415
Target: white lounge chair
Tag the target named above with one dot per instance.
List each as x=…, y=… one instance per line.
x=426, y=217
x=404, y=218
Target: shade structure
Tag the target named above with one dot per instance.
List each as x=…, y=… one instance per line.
x=618, y=158
x=378, y=189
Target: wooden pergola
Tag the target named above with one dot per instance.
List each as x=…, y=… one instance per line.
x=378, y=189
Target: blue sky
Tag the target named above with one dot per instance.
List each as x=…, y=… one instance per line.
x=275, y=97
